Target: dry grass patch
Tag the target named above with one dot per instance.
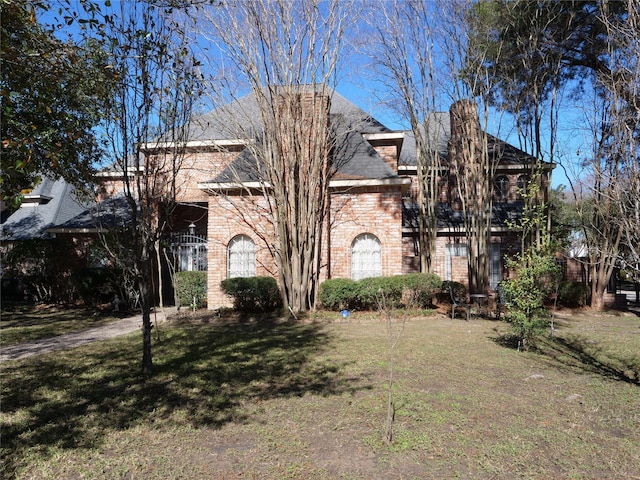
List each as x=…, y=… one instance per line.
x=268, y=399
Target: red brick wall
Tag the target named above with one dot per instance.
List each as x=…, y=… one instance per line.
x=370, y=210
x=228, y=217
x=389, y=154
x=197, y=168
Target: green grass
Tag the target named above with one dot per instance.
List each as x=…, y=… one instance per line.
x=26, y=324
x=263, y=399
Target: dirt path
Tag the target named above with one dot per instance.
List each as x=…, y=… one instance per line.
x=70, y=340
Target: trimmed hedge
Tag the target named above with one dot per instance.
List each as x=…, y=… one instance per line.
x=190, y=287
x=412, y=290
x=338, y=294
x=253, y=294
x=421, y=288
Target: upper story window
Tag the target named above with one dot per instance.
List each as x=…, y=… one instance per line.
x=501, y=185
x=241, y=257
x=366, y=257
x=523, y=183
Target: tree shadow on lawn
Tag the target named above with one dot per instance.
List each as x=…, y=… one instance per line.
x=585, y=355
x=204, y=375
x=579, y=354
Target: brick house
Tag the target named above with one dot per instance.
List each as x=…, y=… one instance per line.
x=372, y=224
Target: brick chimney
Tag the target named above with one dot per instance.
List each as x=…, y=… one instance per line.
x=465, y=132
x=464, y=143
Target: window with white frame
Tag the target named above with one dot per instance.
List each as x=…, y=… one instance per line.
x=366, y=257
x=501, y=186
x=241, y=257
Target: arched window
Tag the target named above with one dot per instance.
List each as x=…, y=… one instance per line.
x=523, y=184
x=366, y=257
x=502, y=186
x=241, y=255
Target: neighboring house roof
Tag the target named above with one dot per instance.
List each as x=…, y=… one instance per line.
x=49, y=203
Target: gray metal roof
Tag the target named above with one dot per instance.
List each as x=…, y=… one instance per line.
x=50, y=203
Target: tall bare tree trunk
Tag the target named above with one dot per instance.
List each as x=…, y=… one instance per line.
x=472, y=172
x=403, y=50
x=287, y=53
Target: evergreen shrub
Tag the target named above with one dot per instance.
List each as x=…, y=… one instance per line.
x=253, y=294
x=191, y=289
x=420, y=288
x=338, y=294
x=572, y=294
x=412, y=290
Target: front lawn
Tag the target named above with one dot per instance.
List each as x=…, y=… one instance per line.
x=235, y=398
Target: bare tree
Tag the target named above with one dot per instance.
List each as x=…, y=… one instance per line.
x=149, y=121
x=544, y=51
x=527, y=85
x=623, y=87
x=427, y=58
x=286, y=54
x=607, y=190
x=472, y=163
x=404, y=50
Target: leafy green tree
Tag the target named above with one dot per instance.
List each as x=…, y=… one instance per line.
x=565, y=222
x=52, y=95
x=536, y=275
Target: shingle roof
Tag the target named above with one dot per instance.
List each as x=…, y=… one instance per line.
x=113, y=212
x=50, y=203
x=353, y=156
x=242, y=117
x=502, y=213
x=438, y=132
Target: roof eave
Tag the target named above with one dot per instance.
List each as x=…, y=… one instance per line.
x=403, y=182
x=76, y=230
x=151, y=147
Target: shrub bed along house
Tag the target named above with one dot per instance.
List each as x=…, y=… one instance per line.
x=412, y=290
x=253, y=294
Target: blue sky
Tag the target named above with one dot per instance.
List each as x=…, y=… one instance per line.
x=367, y=94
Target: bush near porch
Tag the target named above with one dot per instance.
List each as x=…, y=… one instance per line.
x=415, y=290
